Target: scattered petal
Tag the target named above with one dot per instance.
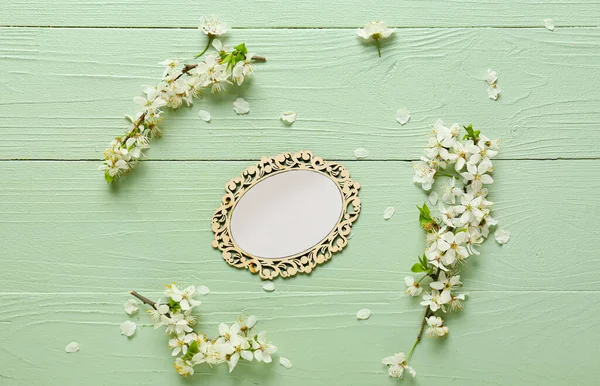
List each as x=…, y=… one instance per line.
x=241, y=106
x=491, y=77
x=269, y=286
x=389, y=212
x=203, y=290
x=288, y=117
x=204, y=115
x=361, y=153
x=128, y=328
x=549, y=24
x=402, y=116
x=285, y=362
x=493, y=92
x=72, y=347
x=502, y=236
x=433, y=198
x=131, y=307
x=363, y=314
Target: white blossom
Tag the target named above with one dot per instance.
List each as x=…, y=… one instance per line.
x=184, y=367
x=375, y=30
x=424, y=173
x=436, y=327
x=458, y=229
x=397, y=365
x=445, y=284
x=151, y=102
x=432, y=300
x=170, y=65
x=263, y=348
x=235, y=342
x=212, y=26
x=413, y=288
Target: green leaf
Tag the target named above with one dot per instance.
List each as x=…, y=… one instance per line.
x=108, y=177
x=471, y=134
x=193, y=348
x=416, y=268
x=241, y=48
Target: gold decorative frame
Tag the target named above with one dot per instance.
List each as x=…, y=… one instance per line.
x=307, y=260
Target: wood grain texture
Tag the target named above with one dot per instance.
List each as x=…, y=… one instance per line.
x=73, y=247
x=67, y=90
x=298, y=13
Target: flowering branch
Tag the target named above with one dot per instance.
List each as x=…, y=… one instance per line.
x=180, y=83
x=452, y=237
x=144, y=299
x=234, y=342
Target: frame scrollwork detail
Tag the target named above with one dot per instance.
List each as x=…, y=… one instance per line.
x=306, y=261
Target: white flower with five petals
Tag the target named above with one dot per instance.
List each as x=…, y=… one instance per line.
x=397, y=365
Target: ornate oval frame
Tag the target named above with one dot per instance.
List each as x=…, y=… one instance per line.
x=307, y=260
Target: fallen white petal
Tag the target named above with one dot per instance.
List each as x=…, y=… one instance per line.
x=502, y=236
x=128, y=328
x=491, y=77
x=402, y=116
x=285, y=362
x=549, y=24
x=433, y=198
x=204, y=115
x=363, y=314
x=493, y=92
x=241, y=106
x=288, y=117
x=389, y=212
x=269, y=286
x=361, y=152
x=203, y=290
x=131, y=307
x=72, y=347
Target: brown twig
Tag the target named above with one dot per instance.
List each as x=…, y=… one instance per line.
x=144, y=299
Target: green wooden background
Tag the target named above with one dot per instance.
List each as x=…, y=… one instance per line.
x=71, y=246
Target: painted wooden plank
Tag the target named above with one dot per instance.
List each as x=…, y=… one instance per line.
x=66, y=91
x=314, y=14
x=65, y=230
x=517, y=338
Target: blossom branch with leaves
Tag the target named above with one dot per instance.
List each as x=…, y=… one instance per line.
x=180, y=84
x=462, y=225
x=234, y=342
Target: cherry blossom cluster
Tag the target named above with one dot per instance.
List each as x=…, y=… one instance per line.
x=191, y=348
x=463, y=161
x=180, y=84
